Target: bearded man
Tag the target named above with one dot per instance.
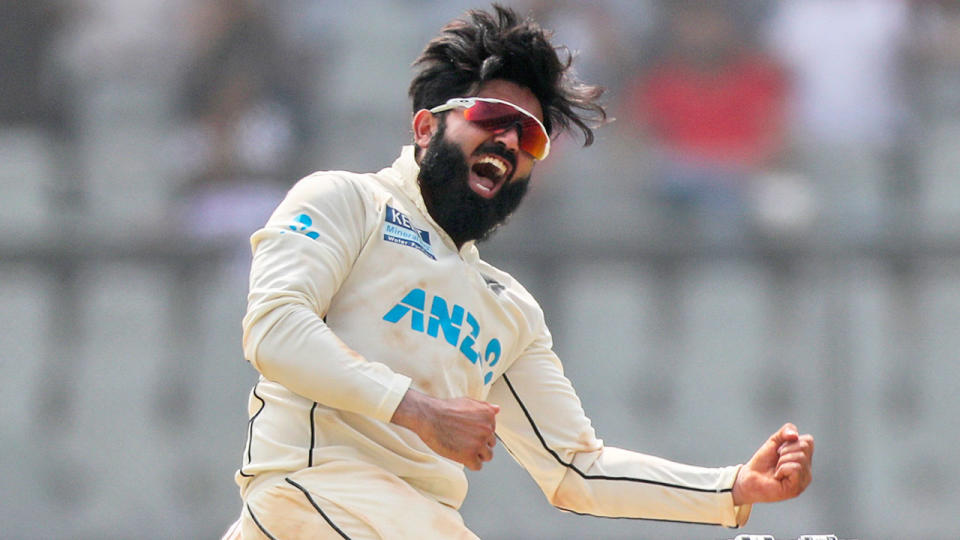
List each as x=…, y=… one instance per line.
x=391, y=355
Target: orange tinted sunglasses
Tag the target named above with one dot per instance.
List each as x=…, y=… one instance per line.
x=497, y=116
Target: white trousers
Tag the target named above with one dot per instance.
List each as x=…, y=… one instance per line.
x=340, y=500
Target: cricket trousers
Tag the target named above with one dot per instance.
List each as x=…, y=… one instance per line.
x=342, y=499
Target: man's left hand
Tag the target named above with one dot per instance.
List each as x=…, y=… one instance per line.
x=779, y=470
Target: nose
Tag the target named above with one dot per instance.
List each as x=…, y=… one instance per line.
x=509, y=136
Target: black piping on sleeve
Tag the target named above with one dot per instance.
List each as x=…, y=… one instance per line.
x=585, y=476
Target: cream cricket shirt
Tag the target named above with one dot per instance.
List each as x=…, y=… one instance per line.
x=356, y=295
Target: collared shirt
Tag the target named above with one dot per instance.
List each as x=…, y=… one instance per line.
x=356, y=295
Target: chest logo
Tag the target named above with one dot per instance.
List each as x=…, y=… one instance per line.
x=455, y=325
x=398, y=229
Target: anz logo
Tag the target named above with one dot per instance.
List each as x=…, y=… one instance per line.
x=455, y=325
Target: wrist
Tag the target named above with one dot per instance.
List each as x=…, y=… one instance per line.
x=410, y=410
x=737, y=491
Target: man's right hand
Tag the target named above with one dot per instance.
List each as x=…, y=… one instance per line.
x=461, y=429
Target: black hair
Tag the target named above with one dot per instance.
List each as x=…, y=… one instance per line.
x=486, y=46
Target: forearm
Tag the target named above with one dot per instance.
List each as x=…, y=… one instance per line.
x=294, y=347
x=620, y=483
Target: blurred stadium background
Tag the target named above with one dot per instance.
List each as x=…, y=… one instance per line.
x=770, y=231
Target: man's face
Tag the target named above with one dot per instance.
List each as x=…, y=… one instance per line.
x=473, y=179
x=445, y=179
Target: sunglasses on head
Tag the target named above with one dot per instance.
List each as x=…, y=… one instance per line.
x=497, y=116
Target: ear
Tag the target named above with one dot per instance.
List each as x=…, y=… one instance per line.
x=424, y=125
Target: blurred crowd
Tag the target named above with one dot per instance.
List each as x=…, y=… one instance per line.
x=141, y=138
x=753, y=116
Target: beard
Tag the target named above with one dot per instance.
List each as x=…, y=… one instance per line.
x=461, y=213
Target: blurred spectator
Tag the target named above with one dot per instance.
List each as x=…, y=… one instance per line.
x=38, y=117
x=847, y=110
x=31, y=91
x=843, y=58
x=598, y=33
x=934, y=58
x=932, y=88
x=244, y=116
x=712, y=104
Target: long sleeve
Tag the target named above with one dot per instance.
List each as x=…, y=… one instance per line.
x=300, y=260
x=543, y=426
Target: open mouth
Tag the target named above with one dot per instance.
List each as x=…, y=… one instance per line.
x=490, y=173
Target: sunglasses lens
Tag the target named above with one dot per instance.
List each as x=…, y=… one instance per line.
x=497, y=116
x=534, y=140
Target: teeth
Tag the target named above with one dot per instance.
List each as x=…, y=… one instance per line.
x=499, y=165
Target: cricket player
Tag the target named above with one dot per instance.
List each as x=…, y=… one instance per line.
x=391, y=355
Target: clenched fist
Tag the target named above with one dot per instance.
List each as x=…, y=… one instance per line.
x=461, y=429
x=779, y=470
